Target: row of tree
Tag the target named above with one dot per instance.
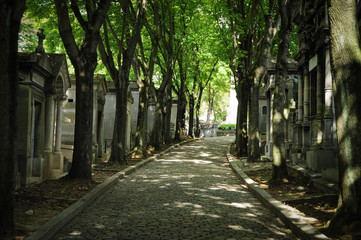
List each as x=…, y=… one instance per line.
x=175, y=48
x=254, y=35
x=163, y=45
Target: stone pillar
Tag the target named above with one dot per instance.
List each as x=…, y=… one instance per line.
x=328, y=117
x=306, y=96
x=49, y=123
x=128, y=132
x=49, y=135
x=319, y=90
x=59, y=114
x=95, y=126
x=306, y=111
x=271, y=115
x=298, y=129
x=268, y=125
x=58, y=158
x=316, y=129
x=101, y=136
x=300, y=101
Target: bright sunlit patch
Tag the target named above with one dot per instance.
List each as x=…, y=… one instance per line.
x=277, y=117
x=99, y=226
x=276, y=156
x=75, y=233
x=185, y=183
x=250, y=215
x=319, y=136
x=186, y=204
x=237, y=205
x=352, y=175
x=286, y=112
x=236, y=227
x=194, y=161
x=218, y=176
x=225, y=187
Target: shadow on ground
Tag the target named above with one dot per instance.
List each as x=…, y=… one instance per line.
x=189, y=193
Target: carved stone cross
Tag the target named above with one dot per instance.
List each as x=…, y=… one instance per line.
x=41, y=36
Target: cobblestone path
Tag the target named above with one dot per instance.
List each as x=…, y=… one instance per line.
x=190, y=193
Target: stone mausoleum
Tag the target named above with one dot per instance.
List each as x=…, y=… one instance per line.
x=100, y=89
x=43, y=82
x=109, y=117
x=315, y=139
x=290, y=104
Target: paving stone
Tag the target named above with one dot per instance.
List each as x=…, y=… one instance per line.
x=189, y=193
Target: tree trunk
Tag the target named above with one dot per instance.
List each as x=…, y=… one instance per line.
x=191, y=115
x=279, y=153
x=126, y=48
x=198, y=108
x=141, y=133
x=84, y=60
x=254, y=153
x=241, y=129
x=82, y=155
x=142, y=128
x=168, y=113
x=156, y=138
x=346, y=62
x=142, y=140
x=118, y=152
x=198, y=125
x=168, y=41
x=10, y=16
x=181, y=108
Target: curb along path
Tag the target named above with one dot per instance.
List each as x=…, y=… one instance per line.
x=188, y=193
x=290, y=216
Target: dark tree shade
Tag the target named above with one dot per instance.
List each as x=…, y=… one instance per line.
x=10, y=17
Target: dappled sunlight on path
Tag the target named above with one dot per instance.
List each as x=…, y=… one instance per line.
x=189, y=193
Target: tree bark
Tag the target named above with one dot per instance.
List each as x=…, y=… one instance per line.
x=168, y=105
x=198, y=109
x=10, y=17
x=254, y=152
x=182, y=103
x=130, y=37
x=241, y=129
x=141, y=131
x=118, y=152
x=84, y=60
x=241, y=66
x=157, y=133
x=141, y=140
x=258, y=74
x=167, y=38
x=346, y=62
x=287, y=9
x=191, y=115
